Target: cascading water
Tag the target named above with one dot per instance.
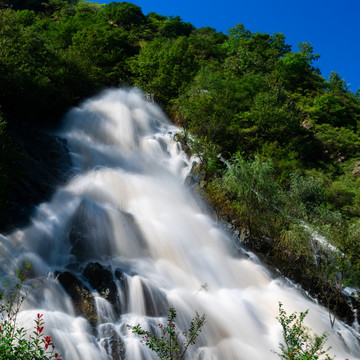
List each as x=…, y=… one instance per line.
x=127, y=240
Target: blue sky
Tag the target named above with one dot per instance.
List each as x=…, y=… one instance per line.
x=332, y=27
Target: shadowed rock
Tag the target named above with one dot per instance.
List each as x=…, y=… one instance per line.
x=83, y=300
x=124, y=289
x=156, y=303
x=114, y=345
x=102, y=281
x=89, y=231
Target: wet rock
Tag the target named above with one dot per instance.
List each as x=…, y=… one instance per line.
x=264, y=245
x=83, y=300
x=89, y=234
x=114, y=345
x=77, y=241
x=119, y=274
x=156, y=303
x=102, y=281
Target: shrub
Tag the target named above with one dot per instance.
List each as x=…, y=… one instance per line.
x=300, y=344
x=169, y=345
x=14, y=342
x=251, y=184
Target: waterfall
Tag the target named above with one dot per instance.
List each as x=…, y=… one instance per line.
x=126, y=236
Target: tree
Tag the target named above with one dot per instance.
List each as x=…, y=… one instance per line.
x=215, y=104
x=206, y=43
x=337, y=84
x=275, y=116
x=339, y=143
x=102, y=52
x=336, y=109
x=164, y=67
x=258, y=52
x=297, y=72
x=123, y=14
x=167, y=26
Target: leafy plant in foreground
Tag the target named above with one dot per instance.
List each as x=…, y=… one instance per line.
x=300, y=344
x=170, y=345
x=14, y=342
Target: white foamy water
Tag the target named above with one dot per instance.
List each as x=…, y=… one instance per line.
x=128, y=209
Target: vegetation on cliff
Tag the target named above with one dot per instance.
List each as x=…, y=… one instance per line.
x=291, y=137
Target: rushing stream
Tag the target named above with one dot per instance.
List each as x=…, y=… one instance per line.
x=127, y=211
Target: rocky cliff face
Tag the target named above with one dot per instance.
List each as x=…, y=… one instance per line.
x=46, y=164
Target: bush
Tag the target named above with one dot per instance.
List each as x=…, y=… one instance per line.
x=169, y=345
x=14, y=342
x=251, y=184
x=300, y=344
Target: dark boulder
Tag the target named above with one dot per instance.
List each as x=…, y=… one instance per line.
x=102, y=281
x=81, y=296
x=90, y=232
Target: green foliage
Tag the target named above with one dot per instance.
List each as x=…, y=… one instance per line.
x=123, y=14
x=208, y=153
x=171, y=344
x=337, y=84
x=337, y=109
x=299, y=343
x=169, y=27
x=340, y=143
x=350, y=246
x=205, y=43
x=164, y=67
x=14, y=341
x=274, y=115
x=293, y=247
x=101, y=47
x=214, y=106
x=304, y=196
x=253, y=188
x=297, y=72
x=253, y=51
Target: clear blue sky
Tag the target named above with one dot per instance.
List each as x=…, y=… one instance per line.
x=331, y=26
